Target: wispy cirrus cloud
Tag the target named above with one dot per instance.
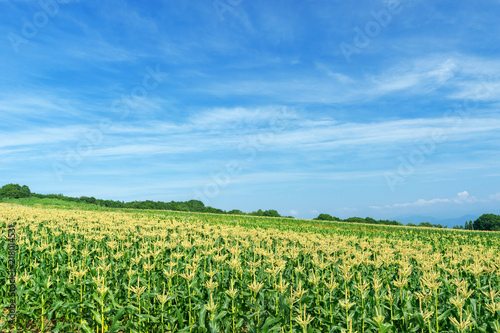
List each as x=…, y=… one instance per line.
x=457, y=76
x=460, y=198
x=202, y=131
x=495, y=197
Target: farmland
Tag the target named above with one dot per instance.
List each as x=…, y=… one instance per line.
x=150, y=271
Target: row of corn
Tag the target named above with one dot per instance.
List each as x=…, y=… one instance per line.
x=79, y=271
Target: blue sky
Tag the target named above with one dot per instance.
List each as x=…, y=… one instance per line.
x=377, y=108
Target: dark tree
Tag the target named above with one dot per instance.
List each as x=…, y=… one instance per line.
x=370, y=220
x=272, y=213
x=489, y=222
x=468, y=225
x=258, y=213
x=327, y=217
x=196, y=205
x=236, y=212
x=15, y=191
x=355, y=219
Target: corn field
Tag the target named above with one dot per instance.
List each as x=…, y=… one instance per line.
x=89, y=271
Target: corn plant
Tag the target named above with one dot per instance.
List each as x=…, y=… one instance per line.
x=89, y=271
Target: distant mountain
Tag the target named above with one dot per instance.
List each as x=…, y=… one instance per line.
x=416, y=219
x=450, y=223
x=458, y=220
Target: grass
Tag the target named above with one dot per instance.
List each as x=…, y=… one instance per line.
x=52, y=203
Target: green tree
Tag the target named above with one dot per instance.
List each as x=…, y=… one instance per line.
x=258, y=213
x=272, y=213
x=355, y=219
x=468, y=225
x=15, y=191
x=26, y=189
x=370, y=220
x=327, y=217
x=236, y=212
x=196, y=205
x=489, y=222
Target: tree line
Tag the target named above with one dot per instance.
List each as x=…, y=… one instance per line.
x=15, y=191
x=488, y=222
x=328, y=217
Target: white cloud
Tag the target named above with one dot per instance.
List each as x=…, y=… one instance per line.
x=347, y=209
x=478, y=89
x=422, y=202
x=461, y=76
x=337, y=76
x=226, y=129
x=48, y=135
x=421, y=76
x=222, y=117
x=461, y=197
x=36, y=105
x=444, y=71
x=464, y=197
x=495, y=197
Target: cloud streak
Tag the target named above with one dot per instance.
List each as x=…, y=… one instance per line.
x=460, y=198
